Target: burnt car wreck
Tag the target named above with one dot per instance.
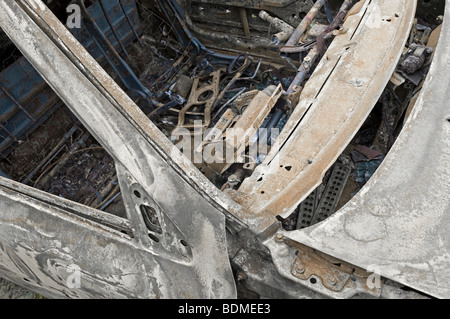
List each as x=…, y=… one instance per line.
x=225, y=149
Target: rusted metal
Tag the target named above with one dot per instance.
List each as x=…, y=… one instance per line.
x=333, y=273
x=303, y=26
x=128, y=109
x=315, y=53
x=183, y=245
x=243, y=100
x=227, y=103
x=320, y=272
x=243, y=127
x=332, y=193
x=244, y=20
x=303, y=71
x=308, y=266
x=236, y=77
x=204, y=97
x=147, y=156
x=329, y=31
x=320, y=128
x=285, y=30
x=224, y=122
x=219, y=31
x=307, y=210
x=247, y=125
x=398, y=223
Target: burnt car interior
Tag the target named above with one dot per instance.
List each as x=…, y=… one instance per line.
x=203, y=72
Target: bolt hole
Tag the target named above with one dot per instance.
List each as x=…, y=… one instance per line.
x=313, y=281
x=205, y=96
x=137, y=194
x=288, y=168
x=183, y=243
x=263, y=192
x=154, y=238
x=151, y=219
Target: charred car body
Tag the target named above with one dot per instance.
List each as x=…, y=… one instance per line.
x=223, y=149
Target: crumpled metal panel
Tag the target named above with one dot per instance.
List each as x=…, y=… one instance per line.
x=146, y=161
x=41, y=245
x=334, y=104
x=398, y=225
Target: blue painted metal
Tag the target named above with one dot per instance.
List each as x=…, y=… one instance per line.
x=4, y=175
x=29, y=101
x=113, y=29
x=121, y=26
x=175, y=16
x=328, y=12
x=134, y=86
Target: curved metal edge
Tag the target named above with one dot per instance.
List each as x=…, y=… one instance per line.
x=398, y=224
x=136, y=144
x=334, y=104
x=165, y=148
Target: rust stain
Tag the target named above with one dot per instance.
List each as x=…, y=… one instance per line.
x=334, y=274
x=333, y=105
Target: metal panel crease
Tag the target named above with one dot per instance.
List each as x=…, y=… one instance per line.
x=118, y=124
x=334, y=104
x=398, y=224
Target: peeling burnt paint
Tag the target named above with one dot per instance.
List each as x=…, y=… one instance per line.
x=321, y=127
x=184, y=238
x=399, y=220
x=217, y=284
